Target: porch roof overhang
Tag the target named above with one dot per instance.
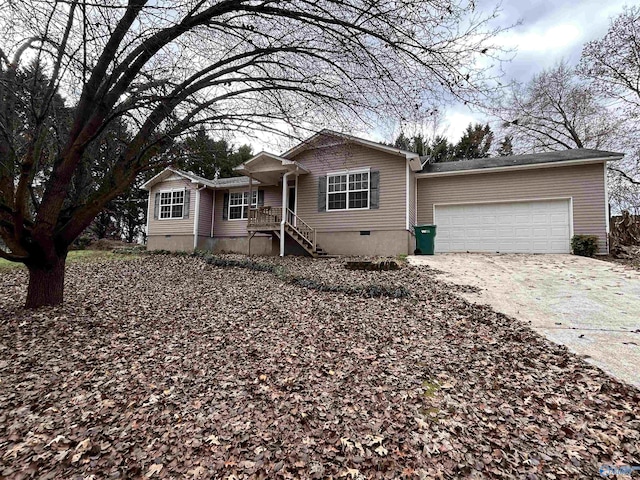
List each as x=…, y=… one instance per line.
x=268, y=168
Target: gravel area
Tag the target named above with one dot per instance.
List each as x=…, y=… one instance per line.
x=169, y=367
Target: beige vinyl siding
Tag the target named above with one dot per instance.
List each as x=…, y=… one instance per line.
x=172, y=226
x=204, y=216
x=583, y=183
x=272, y=196
x=227, y=228
x=238, y=228
x=322, y=161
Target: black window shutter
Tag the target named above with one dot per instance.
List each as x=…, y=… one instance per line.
x=260, y=198
x=322, y=194
x=225, y=207
x=187, y=199
x=375, y=189
x=156, y=207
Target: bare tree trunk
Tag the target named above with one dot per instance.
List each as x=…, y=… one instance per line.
x=46, y=284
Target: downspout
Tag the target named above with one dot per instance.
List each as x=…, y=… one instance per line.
x=250, y=235
x=148, y=214
x=607, y=213
x=196, y=217
x=415, y=199
x=285, y=187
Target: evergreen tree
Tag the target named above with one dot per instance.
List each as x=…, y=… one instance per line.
x=475, y=142
x=440, y=150
x=241, y=155
x=211, y=158
x=506, y=146
x=131, y=212
x=402, y=142
x=419, y=144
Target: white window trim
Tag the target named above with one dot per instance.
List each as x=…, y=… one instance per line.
x=243, y=205
x=172, y=204
x=347, y=173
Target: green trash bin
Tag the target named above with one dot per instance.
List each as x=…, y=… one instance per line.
x=425, y=239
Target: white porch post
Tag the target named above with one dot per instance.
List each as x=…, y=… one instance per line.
x=196, y=218
x=250, y=197
x=285, y=189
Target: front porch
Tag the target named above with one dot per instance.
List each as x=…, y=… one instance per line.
x=269, y=219
x=280, y=221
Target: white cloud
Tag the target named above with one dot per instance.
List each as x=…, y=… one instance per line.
x=551, y=39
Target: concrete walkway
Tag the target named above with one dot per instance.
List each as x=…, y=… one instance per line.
x=589, y=305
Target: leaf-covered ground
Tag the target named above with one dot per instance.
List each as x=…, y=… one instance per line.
x=168, y=367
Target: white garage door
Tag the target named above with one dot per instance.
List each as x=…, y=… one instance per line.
x=515, y=227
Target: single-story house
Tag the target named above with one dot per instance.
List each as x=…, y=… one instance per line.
x=339, y=194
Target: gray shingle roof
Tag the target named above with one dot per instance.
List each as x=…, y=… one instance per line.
x=193, y=177
x=518, y=160
x=234, y=182
x=218, y=182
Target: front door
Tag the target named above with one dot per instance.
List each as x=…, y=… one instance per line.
x=292, y=199
x=292, y=204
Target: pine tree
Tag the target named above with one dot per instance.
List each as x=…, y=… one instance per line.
x=211, y=158
x=419, y=144
x=506, y=146
x=402, y=142
x=440, y=150
x=475, y=142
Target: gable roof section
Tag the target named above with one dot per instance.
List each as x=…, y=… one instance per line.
x=264, y=158
x=267, y=167
x=414, y=158
x=534, y=160
x=217, y=183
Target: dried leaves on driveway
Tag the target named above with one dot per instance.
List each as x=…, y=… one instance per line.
x=168, y=367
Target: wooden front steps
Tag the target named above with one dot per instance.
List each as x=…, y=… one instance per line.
x=268, y=220
x=302, y=241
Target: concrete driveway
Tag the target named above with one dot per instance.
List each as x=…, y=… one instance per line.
x=589, y=305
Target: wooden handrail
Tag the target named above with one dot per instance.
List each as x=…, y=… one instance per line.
x=271, y=217
x=264, y=216
x=302, y=227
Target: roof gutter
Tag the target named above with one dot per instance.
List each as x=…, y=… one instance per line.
x=531, y=166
